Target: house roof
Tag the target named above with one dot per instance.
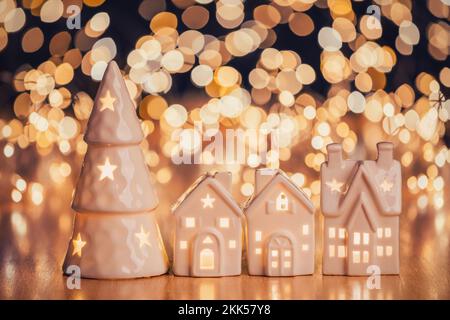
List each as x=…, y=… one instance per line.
x=281, y=177
x=210, y=180
x=364, y=204
x=354, y=195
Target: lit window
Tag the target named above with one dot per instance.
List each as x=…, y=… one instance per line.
x=366, y=238
x=380, y=233
x=232, y=244
x=341, y=251
x=287, y=264
x=258, y=235
x=387, y=232
x=282, y=202
x=274, y=264
x=305, y=247
x=341, y=233
x=258, y=251
x=287, y=253
x=331, y=233
x=274, y=253
x=305, y=229
x=380, y=251
x=183, y=244
x=331, y=251
x=190, y=222
x=356, y=257
x=366, y=257
x=224, y=222
x=356, y=238
x=389, y=251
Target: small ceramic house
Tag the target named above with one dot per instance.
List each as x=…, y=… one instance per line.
x=208, y=235
x=280, y=227
x=361, y=203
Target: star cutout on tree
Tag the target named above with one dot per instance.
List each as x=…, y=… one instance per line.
x=335, y=185
x=107, y=170
x=107, y=102
x=78, y=244
x=386, y=186
x=144, y=237
x=208, y=201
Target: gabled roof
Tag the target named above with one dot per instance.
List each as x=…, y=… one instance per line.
x=363, y=203
x=354, y=194
x=281, y=177
x=209, y=180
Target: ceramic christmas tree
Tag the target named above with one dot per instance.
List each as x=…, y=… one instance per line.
x=361, y=203
x=115, y=233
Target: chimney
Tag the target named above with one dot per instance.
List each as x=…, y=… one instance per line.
x=224, y=177
x=263, y=177
x=334, y=155
x=385, y=154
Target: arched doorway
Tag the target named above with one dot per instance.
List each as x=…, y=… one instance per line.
x=279, y=256
x=206, y=255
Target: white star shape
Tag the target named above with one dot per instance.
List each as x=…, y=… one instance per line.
x=386, y=186
x=335, y=185
x=107, y=170
x=143, y=237
x=208, y=201
x=107, y=101
x=78, y=244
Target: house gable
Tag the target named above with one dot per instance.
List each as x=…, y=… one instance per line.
x=261, y=200
x=203, y=186
x=362, y=203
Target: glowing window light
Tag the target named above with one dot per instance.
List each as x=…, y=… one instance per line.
x=224, y=222
x=183, y=244
x=190, y=222
x=356, y=257
x=388, y=251
x=305, y=230
x=331, y=251
x=331, y=233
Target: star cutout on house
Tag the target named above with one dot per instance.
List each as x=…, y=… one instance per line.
x=78, y=244
x=335, y=185
x=143, y=237
x=107, y=170
x=107, y=101
x=208, y=201
x=386, y=186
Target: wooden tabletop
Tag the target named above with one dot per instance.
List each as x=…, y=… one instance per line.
x=33, y=241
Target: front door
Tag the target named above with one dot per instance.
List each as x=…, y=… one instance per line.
x=206, y=256
x=279, y=257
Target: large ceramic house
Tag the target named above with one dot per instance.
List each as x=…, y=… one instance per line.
x=361, y=203
x=208, y=232
x=280, y=227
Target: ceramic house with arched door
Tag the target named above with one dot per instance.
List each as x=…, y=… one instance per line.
x=280, y=227
x=361, y=203
x=208, y=232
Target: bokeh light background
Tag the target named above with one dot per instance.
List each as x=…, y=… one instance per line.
x=319, y=71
